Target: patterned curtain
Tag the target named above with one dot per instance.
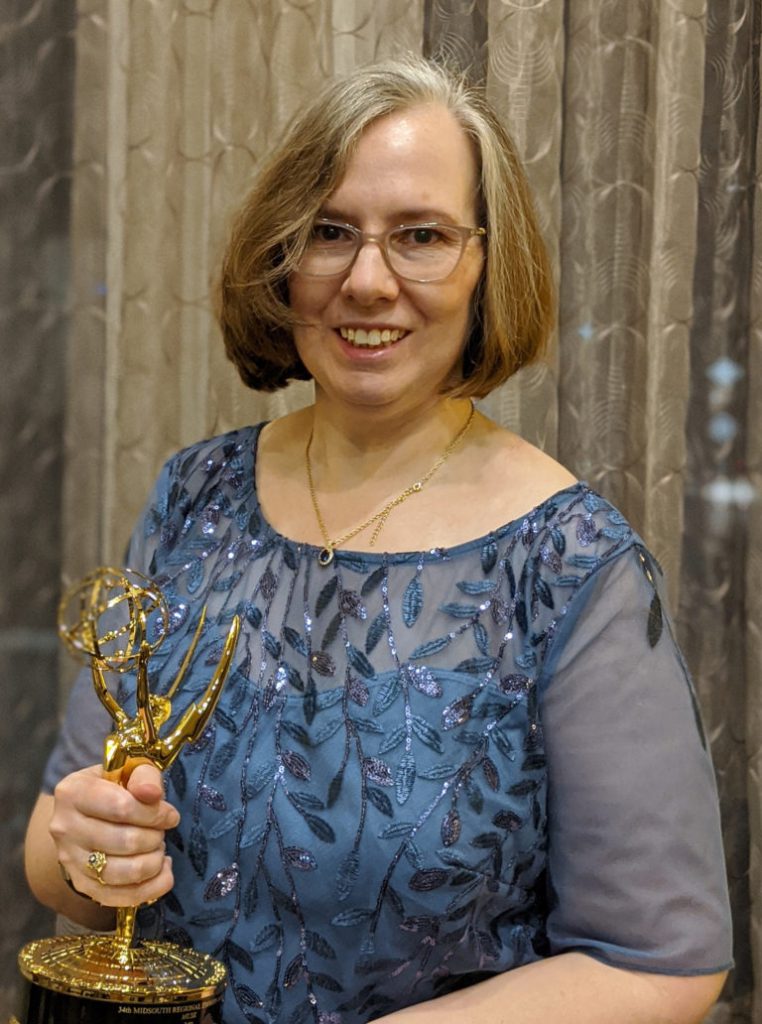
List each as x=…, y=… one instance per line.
x=639, y=122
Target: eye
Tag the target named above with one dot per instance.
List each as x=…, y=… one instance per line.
x=423, y=236
x=327, y=232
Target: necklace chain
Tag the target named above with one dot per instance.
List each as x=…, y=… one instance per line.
x=325, y=555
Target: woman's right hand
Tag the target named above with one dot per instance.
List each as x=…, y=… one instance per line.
x=127, y=824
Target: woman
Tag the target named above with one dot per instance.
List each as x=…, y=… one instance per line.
x=458, y=766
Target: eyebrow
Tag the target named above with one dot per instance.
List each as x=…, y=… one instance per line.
x=418, y=215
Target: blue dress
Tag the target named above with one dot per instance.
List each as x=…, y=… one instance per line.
x=426, y=768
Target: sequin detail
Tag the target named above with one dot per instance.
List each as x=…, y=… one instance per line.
x=364, y=822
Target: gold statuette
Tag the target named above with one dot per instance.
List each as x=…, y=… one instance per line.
x=112, y=979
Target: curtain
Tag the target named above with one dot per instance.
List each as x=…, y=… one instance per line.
x=639, y=122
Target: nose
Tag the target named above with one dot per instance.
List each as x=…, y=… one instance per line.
x=370, y=278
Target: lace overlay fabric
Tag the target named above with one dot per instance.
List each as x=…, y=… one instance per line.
x=427, y=767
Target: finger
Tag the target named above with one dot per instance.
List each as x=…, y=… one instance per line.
x=74, y=832
x=110, y=894
x=111, y=803
x=117, y=840
x=146, y=784
x=128, y=871
x=89, y=794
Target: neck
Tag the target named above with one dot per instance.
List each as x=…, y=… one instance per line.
x=370, y=469
x=348, y=449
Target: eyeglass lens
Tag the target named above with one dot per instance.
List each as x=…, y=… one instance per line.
x=424, y=252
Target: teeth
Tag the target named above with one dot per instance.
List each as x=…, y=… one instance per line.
x=372, y=338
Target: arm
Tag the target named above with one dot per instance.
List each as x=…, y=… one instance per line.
x=575, y=989
x=45, y=878
x=86, y=813
x=635, y=856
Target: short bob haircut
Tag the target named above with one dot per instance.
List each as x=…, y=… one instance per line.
x=513, y=307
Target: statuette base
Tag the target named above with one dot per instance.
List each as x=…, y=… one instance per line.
x=99, y=980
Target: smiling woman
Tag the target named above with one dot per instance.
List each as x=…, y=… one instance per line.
x=413, y=167
x=459, y=763
x=514, y=308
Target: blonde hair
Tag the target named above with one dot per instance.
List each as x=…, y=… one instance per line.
x=513, y=306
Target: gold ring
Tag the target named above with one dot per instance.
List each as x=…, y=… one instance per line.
x=97, y=863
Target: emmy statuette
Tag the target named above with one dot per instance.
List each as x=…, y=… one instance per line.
x=114, y=979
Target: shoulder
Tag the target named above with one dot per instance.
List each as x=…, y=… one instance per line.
x=515, y=476
x=224, y=461
x=215, y=450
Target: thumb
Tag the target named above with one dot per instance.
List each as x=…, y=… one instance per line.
x=145, y=784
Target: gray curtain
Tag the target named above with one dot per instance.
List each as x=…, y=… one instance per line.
x=639, y=122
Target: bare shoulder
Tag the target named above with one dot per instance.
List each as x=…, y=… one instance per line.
x=521, y=476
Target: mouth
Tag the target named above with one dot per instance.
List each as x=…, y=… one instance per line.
x=374, y=338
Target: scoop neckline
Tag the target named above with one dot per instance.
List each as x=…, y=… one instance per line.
x=349, y=555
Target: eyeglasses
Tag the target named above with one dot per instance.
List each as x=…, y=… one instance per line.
x=415, y=252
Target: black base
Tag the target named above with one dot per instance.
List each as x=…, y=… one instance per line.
x=44, y=1006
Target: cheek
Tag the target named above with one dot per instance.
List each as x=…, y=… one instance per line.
x=455, y=311
x=307, y=297
x=306, y=342
x=296, y=297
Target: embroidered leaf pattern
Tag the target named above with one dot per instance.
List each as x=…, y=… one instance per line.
x=428, y=878
x=655, y=621
x=489, y=556
x=373, y=581
x=323, y=663
x=378, y=771
x=326, y=595
x=268, y=937
x=295, y=640
x=360, y=662
x=422, y=680
x=348, y=918
x=301, y=860
x=296, y=764
x=351, y=604
x=332, y=631
x=358, y=691
x=356, y=754
x=387, y=694
x=451, y=827
x=458, y=712
x=405, y=778
x=426, y=733
x=412, y=602
x=430, y=647
x=375, y=632
x=213, y=798
x=198, y=851
x=293, y=972
x=318, y=944
x=321, y=828
x=380, y=801
x=346, y=876
x=222, y=884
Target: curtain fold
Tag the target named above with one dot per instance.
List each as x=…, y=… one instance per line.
x=524, y=82
x=639, y=126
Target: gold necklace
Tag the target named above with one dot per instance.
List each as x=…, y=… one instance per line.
x=325, y=555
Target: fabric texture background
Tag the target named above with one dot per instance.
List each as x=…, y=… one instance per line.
x=640, y=126
x=637, y=123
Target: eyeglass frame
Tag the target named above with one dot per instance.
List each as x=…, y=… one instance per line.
x=382, y=241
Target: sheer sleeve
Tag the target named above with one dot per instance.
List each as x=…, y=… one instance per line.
x=635, y=861
x=86, y=722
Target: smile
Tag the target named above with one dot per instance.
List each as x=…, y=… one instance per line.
x=370, y=339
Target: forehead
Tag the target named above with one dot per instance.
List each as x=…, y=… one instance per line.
x=413, y=160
